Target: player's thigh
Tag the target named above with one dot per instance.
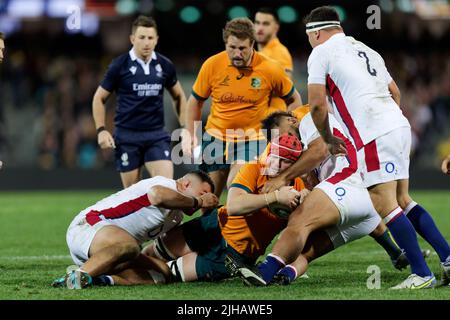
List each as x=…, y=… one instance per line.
x=79, y=238
x=351, y=199
x=109, y=236
x=189, y=262
x=343, y=234
x=172, y=244
x=386, y=158
x=403, y=197
x=157, y=155
x=384, y=197
x=160, y=168
x=130, y=177
x=317, y=211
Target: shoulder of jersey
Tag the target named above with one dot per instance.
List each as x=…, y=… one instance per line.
x=122, y=58
x=218, y=58
x=269, y=62
x=301, y=112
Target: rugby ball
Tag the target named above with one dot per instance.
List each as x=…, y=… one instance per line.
x=280, y=210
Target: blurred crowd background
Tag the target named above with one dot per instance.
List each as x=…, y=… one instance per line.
x=53, y=66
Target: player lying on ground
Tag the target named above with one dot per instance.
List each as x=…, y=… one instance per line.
x=340, y=204
x=105, y=238
x=244, y=228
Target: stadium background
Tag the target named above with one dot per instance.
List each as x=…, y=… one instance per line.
x=52, y=68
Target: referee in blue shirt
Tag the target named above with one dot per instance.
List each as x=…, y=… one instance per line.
x=139, y=77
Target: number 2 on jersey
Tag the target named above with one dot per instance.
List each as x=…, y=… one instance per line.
x=372, y=72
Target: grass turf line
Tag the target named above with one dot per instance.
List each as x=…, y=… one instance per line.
x=34, y=252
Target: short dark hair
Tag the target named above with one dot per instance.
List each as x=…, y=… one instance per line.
x=273, y=121
x=204, y=177
x=241, y=28
x=143, y=21
x=324, y=13
x=268, y=10
x=2, y=35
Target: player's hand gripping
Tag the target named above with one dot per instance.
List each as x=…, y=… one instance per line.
x=336, y=146
x=445, y=167
x=274, y=184
x=288, y=196
x=208, y=201
x=303, y=194
x=105, y=140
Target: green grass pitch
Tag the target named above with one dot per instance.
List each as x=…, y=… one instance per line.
x=33, y=252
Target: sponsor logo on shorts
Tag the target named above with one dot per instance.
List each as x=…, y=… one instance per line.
x=124, y=158
x=340, y=192
x=389, y=167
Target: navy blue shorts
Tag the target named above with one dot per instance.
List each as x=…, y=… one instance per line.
x=134, y=148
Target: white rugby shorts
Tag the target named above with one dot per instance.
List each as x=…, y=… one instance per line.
x=386, y=158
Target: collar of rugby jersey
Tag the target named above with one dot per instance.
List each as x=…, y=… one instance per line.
x=336, y=36
x=145, y=66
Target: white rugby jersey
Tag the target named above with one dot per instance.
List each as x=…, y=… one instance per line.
x=333, y=169
x=357, y=80
x=131, y=210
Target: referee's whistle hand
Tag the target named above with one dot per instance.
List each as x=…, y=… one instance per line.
x=105, y=140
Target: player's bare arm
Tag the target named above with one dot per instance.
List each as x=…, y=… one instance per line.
x=395, y=92
x=179, y=102
x=317, y=97
x=445, y=167
x=240, y=202
x=311, y=158
x=193, y=113
x=104, y=138
x=289, y=73
x=294, y=101
x=170, y=199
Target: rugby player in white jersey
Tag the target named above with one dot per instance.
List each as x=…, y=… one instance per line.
x=340, y=204
x=315, y=155
x=366, y=103
x=105, y=238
